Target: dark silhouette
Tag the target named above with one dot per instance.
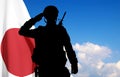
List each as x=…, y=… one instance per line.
x=52, y=44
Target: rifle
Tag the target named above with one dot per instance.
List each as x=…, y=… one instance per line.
x=60, y=23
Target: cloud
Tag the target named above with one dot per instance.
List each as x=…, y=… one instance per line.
x=91, y=61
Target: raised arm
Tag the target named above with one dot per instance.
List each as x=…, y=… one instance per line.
x=25, y=29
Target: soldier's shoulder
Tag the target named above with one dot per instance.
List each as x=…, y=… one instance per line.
x=39, y=28
x=61, y=27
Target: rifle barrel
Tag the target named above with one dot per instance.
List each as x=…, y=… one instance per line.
x=62, y=18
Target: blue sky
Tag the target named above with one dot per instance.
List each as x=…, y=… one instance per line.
x=94, y=22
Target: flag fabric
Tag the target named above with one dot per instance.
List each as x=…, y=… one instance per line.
x=15, y=50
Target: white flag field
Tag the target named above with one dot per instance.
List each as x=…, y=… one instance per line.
x=15, y=50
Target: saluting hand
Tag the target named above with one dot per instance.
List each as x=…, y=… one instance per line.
x=38, y=17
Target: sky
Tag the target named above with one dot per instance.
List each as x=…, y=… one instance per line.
x=94, y=27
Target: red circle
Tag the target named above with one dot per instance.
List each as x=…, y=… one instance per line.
x=16, y=52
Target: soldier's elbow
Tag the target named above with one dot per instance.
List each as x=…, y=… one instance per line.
x=20, y=32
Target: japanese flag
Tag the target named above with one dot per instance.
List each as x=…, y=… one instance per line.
x=15, y=50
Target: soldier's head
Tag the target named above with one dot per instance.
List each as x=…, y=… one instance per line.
x=50, y=13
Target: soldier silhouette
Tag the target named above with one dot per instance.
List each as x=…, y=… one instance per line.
x=52, y=44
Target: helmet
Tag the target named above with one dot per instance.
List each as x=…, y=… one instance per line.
x=50, y=12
